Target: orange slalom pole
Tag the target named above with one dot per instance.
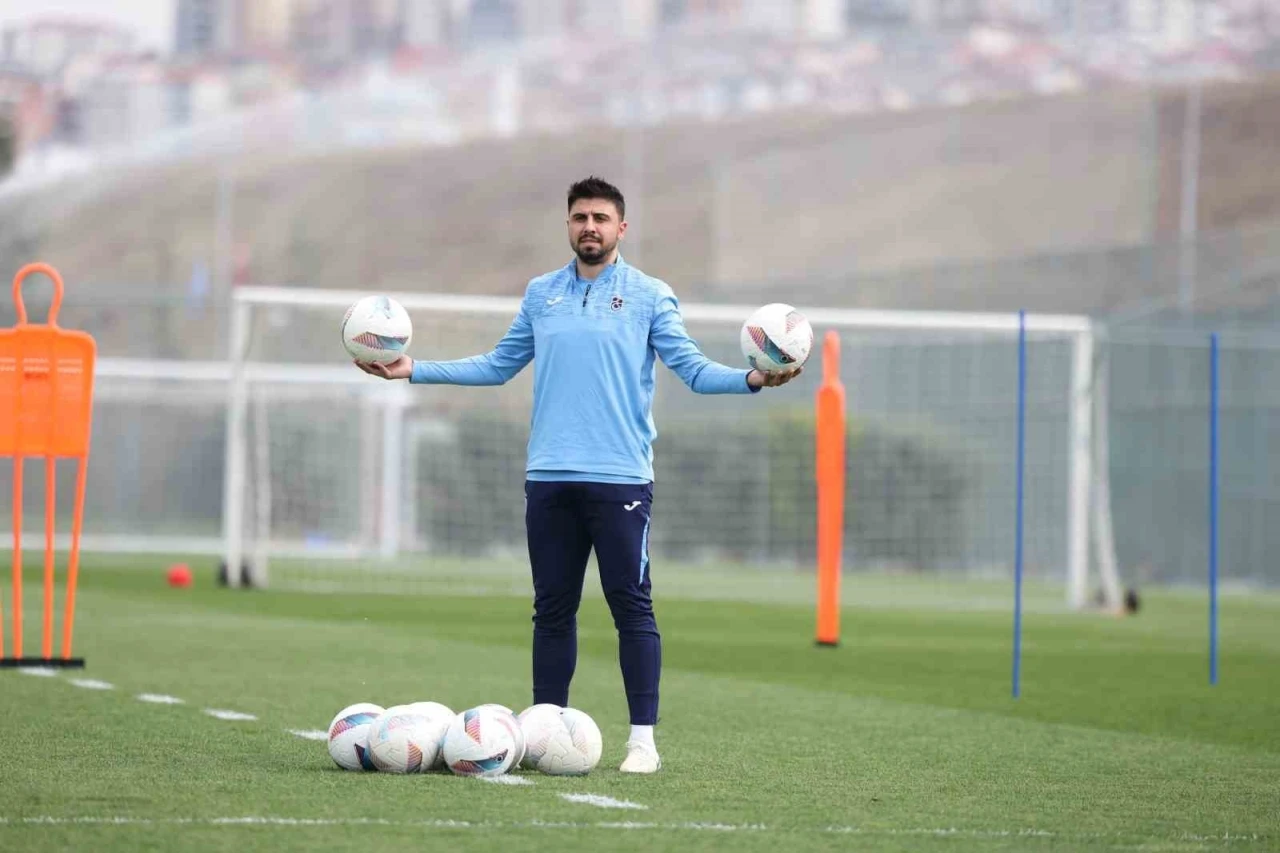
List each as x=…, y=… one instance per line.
x=831, y=428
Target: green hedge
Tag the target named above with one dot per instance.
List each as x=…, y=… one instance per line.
x=739, y=489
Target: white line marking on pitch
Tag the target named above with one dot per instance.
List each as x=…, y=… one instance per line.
x=92, y=684
x=42, y=671
x=506, y=780
x=966, y=833
x=221, y=714
x=444, y=823
x=688, y=826
x=160, y=699
x=601, y=801
x=310, y=734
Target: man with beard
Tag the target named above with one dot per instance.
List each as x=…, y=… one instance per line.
x=596, y=326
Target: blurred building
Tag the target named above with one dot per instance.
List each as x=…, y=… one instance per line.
x=27, y=109
x=267, y=25
x=478, y=21
x=1175, y=20
x=37, y=59
x=424, y=23
x=375, y=25
x=325, y=29
x=542, y=18
x=843, y=55
x=123, y=103
x=203, y=26
x=341, y=29
x=45, y=47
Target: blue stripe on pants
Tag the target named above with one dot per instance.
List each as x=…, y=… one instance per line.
x=644, y=550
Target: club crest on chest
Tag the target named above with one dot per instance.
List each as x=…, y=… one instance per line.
x=616, y=303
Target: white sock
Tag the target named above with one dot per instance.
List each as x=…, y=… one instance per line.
x=644, y=735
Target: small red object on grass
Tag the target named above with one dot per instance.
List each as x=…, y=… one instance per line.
x=180, y=575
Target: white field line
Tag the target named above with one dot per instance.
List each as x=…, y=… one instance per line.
x=603, y=802
x=691, y=826
x=310, y=734
x=92, y=684
x=160, y=699
x=222, y=714
x=42, y=671
x=506, y=780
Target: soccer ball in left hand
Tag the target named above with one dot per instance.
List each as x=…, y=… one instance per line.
x=775, y=338
x=376, y=329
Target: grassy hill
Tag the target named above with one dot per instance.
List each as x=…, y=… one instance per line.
x=1065, y=204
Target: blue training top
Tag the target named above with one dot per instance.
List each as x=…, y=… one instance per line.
x=595, y=343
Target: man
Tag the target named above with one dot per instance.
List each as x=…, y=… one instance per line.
x=595, y=326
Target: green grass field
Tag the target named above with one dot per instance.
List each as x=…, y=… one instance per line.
x=903, y=738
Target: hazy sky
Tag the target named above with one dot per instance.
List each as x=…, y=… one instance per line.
x=151, y=20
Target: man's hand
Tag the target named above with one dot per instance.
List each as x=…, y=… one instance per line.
x=761, y=379
x=401, y=368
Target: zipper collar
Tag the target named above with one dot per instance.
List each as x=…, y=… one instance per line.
x=606, y=275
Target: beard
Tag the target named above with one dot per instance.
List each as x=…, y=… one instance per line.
x=594, y=253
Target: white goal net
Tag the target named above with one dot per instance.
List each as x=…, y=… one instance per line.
x=334, y=479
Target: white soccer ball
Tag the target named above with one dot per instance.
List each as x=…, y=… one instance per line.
x=540, y=724
x=349, y=736
x=438, y=719
x=560, y=741
x=481, y=742
x=403, y=740
x=432, y=709
x=516, y=725
x=776, y=337
x=376, y=329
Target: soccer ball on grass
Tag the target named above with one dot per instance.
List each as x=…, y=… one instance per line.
x=349, y=736
x=482, y=742
x=560, y=741
x=404, y=740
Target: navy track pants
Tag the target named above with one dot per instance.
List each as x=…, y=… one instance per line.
x=564, y=521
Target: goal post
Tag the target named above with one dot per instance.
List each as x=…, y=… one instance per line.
x=931, y=455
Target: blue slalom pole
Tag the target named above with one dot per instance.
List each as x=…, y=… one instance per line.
x=1213, y=509
x=1017, y=534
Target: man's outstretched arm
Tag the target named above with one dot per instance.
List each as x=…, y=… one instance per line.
x=495, y=367
x=680, y=353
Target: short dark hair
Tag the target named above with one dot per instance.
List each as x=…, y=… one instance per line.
x=593, y=187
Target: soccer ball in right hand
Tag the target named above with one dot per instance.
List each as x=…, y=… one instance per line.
x=776, y=337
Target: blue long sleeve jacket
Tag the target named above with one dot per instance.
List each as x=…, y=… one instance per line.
x=593, y=344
